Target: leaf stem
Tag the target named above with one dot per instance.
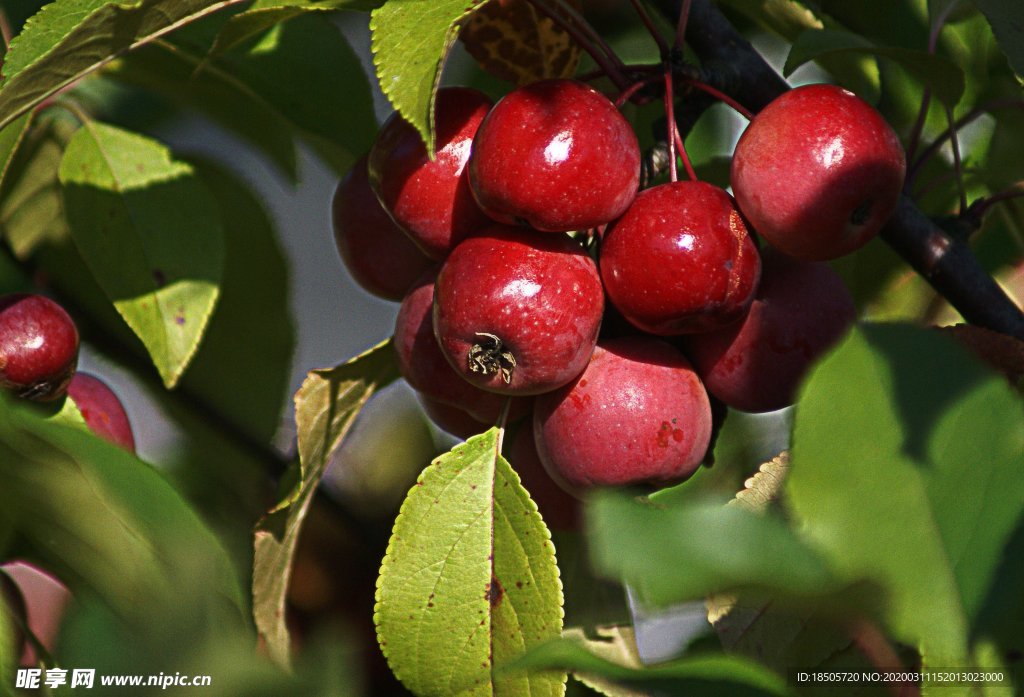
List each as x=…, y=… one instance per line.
x=672, y=137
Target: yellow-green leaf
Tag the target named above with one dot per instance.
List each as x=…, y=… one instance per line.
x=469, y=581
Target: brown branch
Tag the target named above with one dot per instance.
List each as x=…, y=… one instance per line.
x=732, y=65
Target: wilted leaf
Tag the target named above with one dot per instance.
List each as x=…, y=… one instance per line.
x=325, y=407
x=67, y=39
x=469, y=581
x=513, y=40
x=914, y=484
x=410, y=42
x=150, y=233
x=941, y=75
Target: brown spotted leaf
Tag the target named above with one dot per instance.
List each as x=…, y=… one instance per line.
x=512, y=40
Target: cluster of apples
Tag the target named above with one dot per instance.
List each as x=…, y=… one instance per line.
x=39, y=359
x=534, y=276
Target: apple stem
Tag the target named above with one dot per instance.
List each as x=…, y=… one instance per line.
x=663, y=46
x=673, y=129
x=630, y=91
x=586, y=37
x=719, y=95
x=977, y=210
x=675, y=138
x=684, y=16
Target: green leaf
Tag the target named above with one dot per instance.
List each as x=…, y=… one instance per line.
x=150, y=233
x=10, y=138
x=300, y=79
x=249, y=387
x=752, y=624
x=325, y=407
x=924, y=506
x=1006, y=18
x=656, y=551
x=67, y=39
x=709, y=675
x=469, y=581
x=31, y=207
x=410, y=41
x=111, y=527
x=942, y=76
x=264, y=14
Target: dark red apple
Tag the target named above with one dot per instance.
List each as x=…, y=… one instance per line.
x=556, y=155
x=517, y=311
x=426, y=369
x=801, y=310
x=379, y=256
x=103, y=412
x=559, y=510
x=38, y=347
x=680, y=260
x=637, y=415
x=431, y=199
x=818, y=172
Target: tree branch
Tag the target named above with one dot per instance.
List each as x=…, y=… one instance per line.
x=732, y=65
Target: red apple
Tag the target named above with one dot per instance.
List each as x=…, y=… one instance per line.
x=38, y=347
x=556, y=155
x=431, y=199
x=102, y=410
x=680, y=260
x=516, y=311
x=818, y=172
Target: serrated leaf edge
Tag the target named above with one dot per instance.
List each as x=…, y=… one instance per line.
x=548, y=543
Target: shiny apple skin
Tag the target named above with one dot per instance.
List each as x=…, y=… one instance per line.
x=555, y=155
x=430, y=199
x=38, y=347
x=538, y=293
x=818, y=172
x=637, y=415
x=680, y=260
